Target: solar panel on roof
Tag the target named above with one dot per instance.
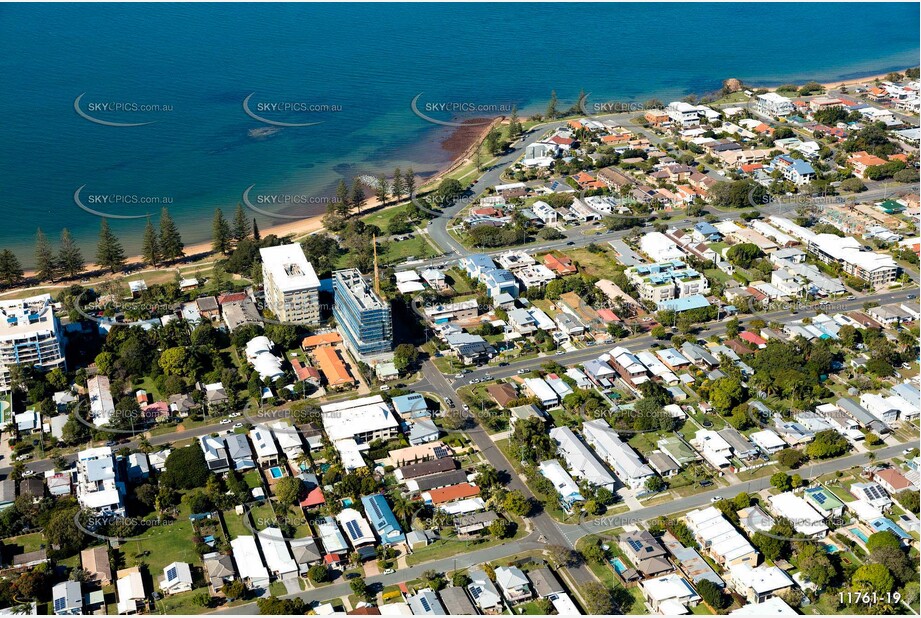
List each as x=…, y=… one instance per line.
x=475, y=592
x=425, y=604
x=171, y=573
x=354, y=531
x=60, y=604
x=820, y=497
x=377, y=509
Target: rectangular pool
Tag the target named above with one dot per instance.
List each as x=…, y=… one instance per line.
x=276, y=472
x=860, y=535
x=618, y=565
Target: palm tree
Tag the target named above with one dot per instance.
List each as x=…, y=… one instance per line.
x=144, y=445
x=403, y=508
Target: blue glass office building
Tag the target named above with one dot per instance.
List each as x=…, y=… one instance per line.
x=363, y=318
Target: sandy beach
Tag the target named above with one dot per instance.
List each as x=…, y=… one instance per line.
x=460, y=144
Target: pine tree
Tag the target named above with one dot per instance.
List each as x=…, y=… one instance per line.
x=45, y=263
x=342, y=205
x=383, y=189
x=409, y=181
x=398, y=188
x=109, y=252
x=552, y=112
x=358, y=195
x=10, y=268
x=514, y=125
x=150, y=249
x=220, y=233
x=240, y=224
x=171, y=246
x=256, y=235
x=70, y=258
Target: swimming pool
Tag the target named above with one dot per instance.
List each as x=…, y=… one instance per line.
x=618, y=565
x=830, y=549
x=860, y=535
x=276, y=472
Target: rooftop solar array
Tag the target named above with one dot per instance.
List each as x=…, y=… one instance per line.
x=171, y=573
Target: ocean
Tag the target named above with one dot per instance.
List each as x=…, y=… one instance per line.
x=350, y=72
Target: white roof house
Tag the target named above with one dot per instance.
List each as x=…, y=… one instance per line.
x=768, y=441
x=277, y=554
x=249, y=562
x=483, y=591
x=67, y=598
x=805, y=519
x=131, y=592
x=760, y=583
x=331, y=536
x=263, y=443
x=626, y=464
x=288, y=439
x=714, y=448
x=425, y=603
x=774, y=606
x=540, y=389
x=659, y=247
x=260, y=356
x=358, y=530
x=101, y=404
x=564, y=484
x=716, y=535
x=669, y=594
x=564, y=605
x=580, y=459
x=358, y=418
x=177, y=577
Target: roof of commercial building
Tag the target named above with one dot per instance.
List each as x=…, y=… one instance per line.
x=289, y=268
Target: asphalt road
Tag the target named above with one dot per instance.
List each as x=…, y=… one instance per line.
x=573, y=532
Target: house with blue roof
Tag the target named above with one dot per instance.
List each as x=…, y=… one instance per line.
x=477, y=265
x=410, y=406
x=500, y=281
x=797, y=171
x=882, y=523
x=707, y=230
x=382, y=519
x=685, y=303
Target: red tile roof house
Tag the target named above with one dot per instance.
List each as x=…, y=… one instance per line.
x=608, y=316
x=753, y=339
x=892, y=480
x=560, y=265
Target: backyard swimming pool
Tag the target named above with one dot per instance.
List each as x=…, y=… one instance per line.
x=618, y=565
x=860, y=535
x=276, y=472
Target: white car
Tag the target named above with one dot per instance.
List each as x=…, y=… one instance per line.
x=236, y=415
x=238, y=426
x=29, y=473
x=226, y=421
x=716, y=498
x=522, y=371
x=385, y=388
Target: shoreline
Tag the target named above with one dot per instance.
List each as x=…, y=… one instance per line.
x=462, y=141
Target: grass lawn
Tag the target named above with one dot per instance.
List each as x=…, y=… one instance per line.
x=159, y=546
x=381, y=218
x=277, y=589
x=417, y=247
x=454, y=278
x=183, y=603
x=25, y=543
x=701, y=609
x=234, y=524
x=601, y=264
x=445, y=548
x=252, y=479
x=262, y=516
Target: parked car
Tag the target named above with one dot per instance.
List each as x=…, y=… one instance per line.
x=226, y=421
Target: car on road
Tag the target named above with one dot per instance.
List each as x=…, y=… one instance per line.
x=906, y=451
x=238, y=425
x=487, y=377
x=521, y=371
x=571, y=244
x=851, y=297
x=111, y=443
x=389, y=571
x=911, y=296
x=503, y=364
x=450, y=402
x=226, y=421
x=458, y=376
x=28, y=473
x=236, y=415
x=716, y=498
x=385, y=388
x=475, y=381
x=560, y=352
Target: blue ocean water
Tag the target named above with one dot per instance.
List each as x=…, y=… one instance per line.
x=200, y=61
